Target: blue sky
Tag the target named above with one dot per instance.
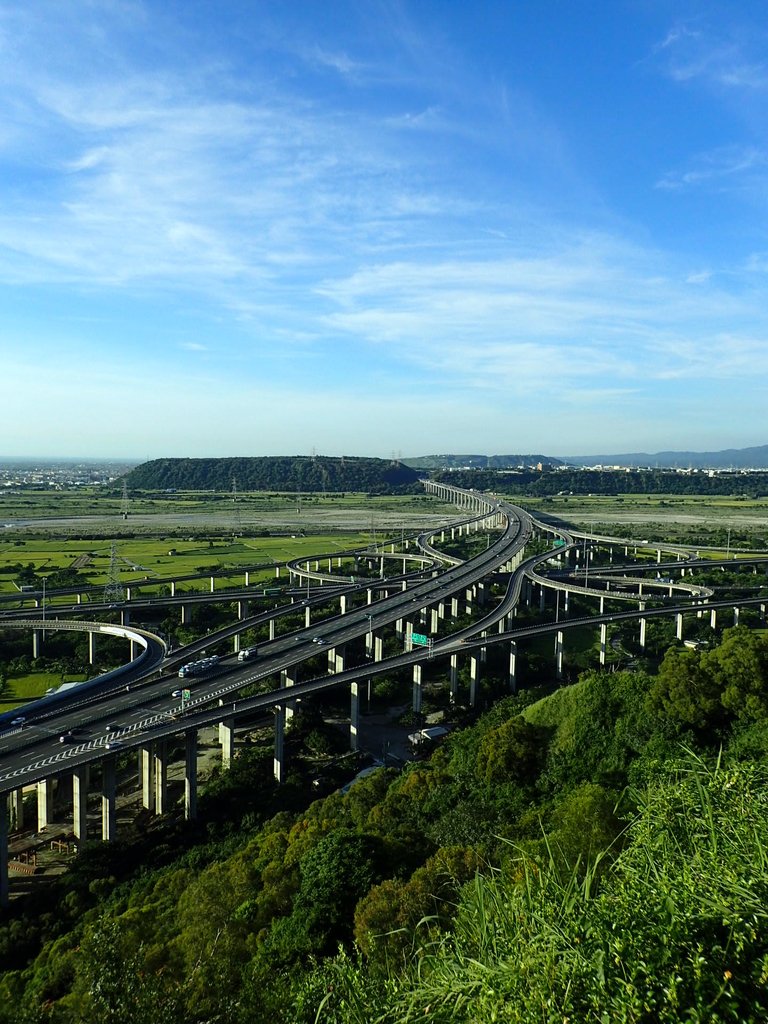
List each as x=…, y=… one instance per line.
x=366, y=228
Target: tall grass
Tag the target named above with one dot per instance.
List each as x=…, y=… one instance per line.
x=675, y=929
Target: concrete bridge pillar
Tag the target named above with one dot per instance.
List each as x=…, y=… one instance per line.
x=434, y=621
x=186, y=615
x=16, y=803
x=454, y=607
x=91, y=648
x=272, y=629
x=642, y=626
x=378, y=648
x=242, y=609
x=80, y=804
x=559, y=654
x=44, y=803
x=602, y=605
x=147, y=767
x=679, y=626
x=108, y=799
x=513, y=666
x=190, y=774
x=173, y=588
x=288, y=678
x=227, y=740
x=37, y=643
x=474, y=678
x=136, y=649
x=235, y=643
x=354, y=715
x=603, y=640
x=125, y=616
x=279, y=757
x=213, y=584
x=454, y=678
x=713, y=618
x=277, y=572
x=417, y=689
x=343, y=603
x=566, y=601
x=161, y=776
x=542, y=598
x=736, y=611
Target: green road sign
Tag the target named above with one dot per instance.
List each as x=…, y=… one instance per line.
x=186, y=694
x=420, y=639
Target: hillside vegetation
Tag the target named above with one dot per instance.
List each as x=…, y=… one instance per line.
x=594, y=853
x=296, y=473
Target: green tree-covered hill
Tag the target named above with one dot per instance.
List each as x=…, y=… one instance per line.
x=283, y=473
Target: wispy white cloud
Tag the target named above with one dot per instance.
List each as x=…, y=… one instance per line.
x=721, y=168
x=693, y=51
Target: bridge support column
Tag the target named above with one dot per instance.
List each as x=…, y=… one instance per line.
x=417, y=689
x=713, y=618
x=235, y=643
x=161, y=776
x=474, y=678
x=147, y=768
x=679, y=626
x=242, y=609
x=642, y=626
x=354, y=715
x=272, y=628
x=287, y=679
x=279, y=757
x=542, y=598
x=37, y=643
x=513, y=666
x=125, y=616
x=307, y=617
x=736, y=611
x=343, y=603
x=80, y=804
x=566, y=601
x=4, y=886
x=108, y=796
x=227, y=741
x=91, y=648
x=603, y=640
x=454, y=678
x=190, y=774
x=17, y=809
x=136, y=650
x=213, y=584
x=186, y=615
x=44, y=803
x=434, y=622
x=559, y=654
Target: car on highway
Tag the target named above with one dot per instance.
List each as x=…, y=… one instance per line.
x=66, y=737
x=318, y=640
x=21, y=720
x=112, y=744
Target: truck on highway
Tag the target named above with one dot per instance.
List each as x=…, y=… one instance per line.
x=247, y=653
x=197, y=668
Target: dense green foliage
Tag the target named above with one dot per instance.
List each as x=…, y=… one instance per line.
x=589, y=481
x=554, y=861
x=283, y=473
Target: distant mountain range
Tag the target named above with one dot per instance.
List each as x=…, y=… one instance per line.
x=729, y=458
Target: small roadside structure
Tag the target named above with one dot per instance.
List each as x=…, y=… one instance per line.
x=429, y=735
